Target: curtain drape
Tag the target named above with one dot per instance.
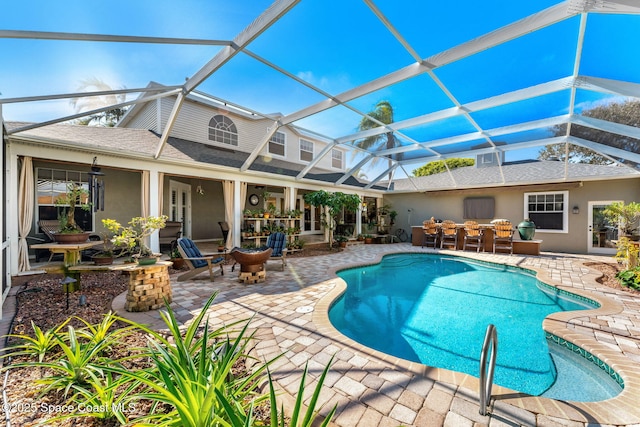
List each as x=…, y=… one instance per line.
x=295, y=198
x=145, y=194
x=160, y=192
x=227, y=193
x=287, y=198
x=243, y=195
x=25, y=213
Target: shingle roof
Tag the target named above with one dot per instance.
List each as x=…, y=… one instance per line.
x=144, y=143
x=515, y=173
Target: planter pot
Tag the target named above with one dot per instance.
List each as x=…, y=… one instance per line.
x=178, y=263
x=368, y=240
x=343, y=244
x=70, y=238
x=147, y=260
x=527, y=229
x=102, y=260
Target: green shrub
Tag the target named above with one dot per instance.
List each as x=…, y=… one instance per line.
x=630, y=278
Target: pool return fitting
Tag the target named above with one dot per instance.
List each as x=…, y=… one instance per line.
x=486, y=375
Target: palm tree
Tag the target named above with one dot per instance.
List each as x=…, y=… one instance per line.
x=383, y=113
x=87, y=103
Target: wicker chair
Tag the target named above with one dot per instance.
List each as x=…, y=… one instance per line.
x=430, y=230
x=473, y=236
x=449, y=234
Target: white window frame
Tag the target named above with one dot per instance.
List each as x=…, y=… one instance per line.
x=488, y=158
x=302, y=149
x=565, y=210
x=58, y=185
x=224, y=130
x=274, y=140
x=335, y=151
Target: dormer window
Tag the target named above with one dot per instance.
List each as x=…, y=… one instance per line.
x=222, y=129
x=336, y=159
x=306, y=150
x=276, y=144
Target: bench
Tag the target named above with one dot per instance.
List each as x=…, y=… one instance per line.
x=170, y=233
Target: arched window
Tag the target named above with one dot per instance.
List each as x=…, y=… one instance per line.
x=222, y=129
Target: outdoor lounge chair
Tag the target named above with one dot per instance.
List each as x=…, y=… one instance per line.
x=503, y=236
x=430, y=230
x=449, y=234
x=278, y=242
x=196, y=261
x=473, y=236
x=170, y=233
x=224, y=227
x=48, y=227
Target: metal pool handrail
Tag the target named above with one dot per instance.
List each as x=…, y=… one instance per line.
x=486, y=376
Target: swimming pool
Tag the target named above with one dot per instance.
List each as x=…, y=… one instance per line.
x=435, y=309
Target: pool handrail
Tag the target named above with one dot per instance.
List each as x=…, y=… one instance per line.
x=486, y=376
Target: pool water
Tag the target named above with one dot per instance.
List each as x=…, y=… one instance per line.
x=435, y=310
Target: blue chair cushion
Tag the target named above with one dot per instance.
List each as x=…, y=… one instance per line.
x=191, y=251
x=277, y=242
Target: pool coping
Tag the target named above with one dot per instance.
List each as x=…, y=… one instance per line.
x=621, y=409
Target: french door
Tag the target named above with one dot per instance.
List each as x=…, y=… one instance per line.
x=180, y=205
x=600, y=231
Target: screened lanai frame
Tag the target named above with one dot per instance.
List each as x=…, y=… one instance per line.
x=455, y=111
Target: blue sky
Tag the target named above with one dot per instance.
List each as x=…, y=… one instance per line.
x=334, y=44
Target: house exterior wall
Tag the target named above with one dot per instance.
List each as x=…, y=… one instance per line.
x=192, y=124
x=209, y=206
x=413, y=208
x=146, y=117
x=121, y=198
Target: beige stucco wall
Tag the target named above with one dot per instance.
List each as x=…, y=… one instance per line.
x=413, y=208
x=121, y=197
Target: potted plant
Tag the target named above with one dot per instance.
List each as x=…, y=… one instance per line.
x=75, y=197
x=176, y=258
x=392, y=217
x=221, y=247
x=342, y=240
x=625, y=215
x=105, y=255
x=360, y=238
x=368, y=239
x=135, y=234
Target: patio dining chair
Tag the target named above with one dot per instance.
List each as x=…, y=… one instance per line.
x=473, y=236
x=196, y=261
x=449, y=234
x=503, y=236
x=430, y=230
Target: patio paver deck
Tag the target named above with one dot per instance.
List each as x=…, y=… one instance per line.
x=373, y=389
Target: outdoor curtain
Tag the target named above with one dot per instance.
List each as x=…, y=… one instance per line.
x=145, y=193
x=287, y=203
x=160, y=192
x=25, y=212
x=290, y=194
x=227, y=192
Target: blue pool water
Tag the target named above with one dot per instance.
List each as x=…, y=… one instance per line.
x=435, y=310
